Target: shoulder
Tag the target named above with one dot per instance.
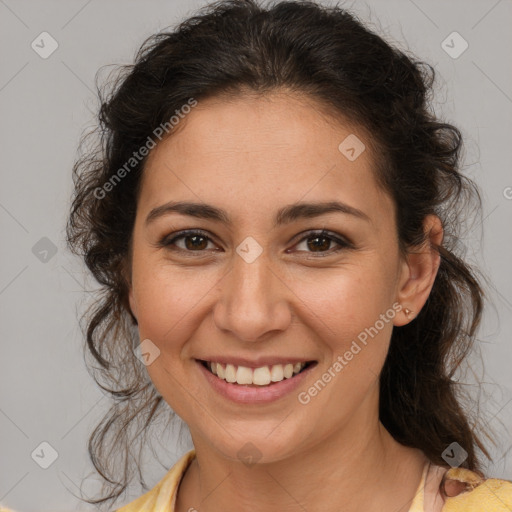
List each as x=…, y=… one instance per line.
x=164, y=493
x=468, y=491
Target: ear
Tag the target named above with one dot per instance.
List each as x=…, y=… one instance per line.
x=419, y=272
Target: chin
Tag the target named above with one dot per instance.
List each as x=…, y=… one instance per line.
x=257, y=446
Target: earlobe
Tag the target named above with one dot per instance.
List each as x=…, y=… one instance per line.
x=420, y=271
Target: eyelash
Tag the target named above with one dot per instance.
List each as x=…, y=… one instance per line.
x=343, y=244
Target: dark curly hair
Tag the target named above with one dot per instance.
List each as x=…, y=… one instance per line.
x=237, y=47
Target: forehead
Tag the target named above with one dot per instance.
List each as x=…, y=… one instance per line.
x=244, y=152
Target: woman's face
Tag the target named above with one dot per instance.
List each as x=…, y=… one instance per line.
x=261, y=285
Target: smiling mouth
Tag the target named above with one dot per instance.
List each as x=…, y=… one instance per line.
x=258, y=377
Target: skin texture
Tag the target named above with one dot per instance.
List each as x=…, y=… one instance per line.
x=251, y=156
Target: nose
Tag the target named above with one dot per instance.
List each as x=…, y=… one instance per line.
x=253, y=301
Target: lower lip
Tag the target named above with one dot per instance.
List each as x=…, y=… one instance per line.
x=243, y=394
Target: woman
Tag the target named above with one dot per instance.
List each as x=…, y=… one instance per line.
x=272, y=215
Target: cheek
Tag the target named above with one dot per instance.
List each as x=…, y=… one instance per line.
x=352, y=320
x=348, y=298
x=165, y=300
x=169, y=303
x=350, y=313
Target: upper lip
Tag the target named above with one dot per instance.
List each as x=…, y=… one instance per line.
x=254, y=363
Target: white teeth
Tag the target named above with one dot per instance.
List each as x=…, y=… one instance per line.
x=277, y=373
x=244, y=375
x=262, y=376
x=288, y=370
x=230, y=374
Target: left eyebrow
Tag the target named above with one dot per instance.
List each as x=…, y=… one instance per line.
x=285, y=215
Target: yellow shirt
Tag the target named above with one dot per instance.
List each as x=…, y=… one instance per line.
x=480, y=495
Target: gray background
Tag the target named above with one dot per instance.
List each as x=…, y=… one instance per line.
x=46, y=395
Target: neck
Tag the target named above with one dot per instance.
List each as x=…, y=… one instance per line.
x=359, y=467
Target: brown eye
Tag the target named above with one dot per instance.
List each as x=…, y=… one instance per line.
x=194, y=241
x=321, y=242
x=197, y=241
